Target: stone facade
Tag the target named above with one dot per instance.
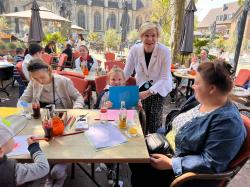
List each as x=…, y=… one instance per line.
x=93, y=15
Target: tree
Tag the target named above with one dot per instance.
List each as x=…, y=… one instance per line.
x=111, y=39
x=3, y=24
x=220, y=42
x=178, y=13
x=93, y=37
x=133, y=36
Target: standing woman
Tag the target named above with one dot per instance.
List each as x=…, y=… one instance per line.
x=151, y=61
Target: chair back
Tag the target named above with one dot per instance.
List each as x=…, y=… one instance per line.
x=100, y=83
x=110, y=64
x=6, y=73
x=79, y=82
x=242, y=77
x=63, y=58
x=75, y=55
x=19, y=68
x=47, y=58
x=109, y=56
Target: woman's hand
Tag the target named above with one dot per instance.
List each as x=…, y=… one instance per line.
x=145, y=94
x=160, y=161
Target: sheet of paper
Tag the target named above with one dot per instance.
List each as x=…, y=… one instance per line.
x=7, y=111
x=20, y=147
x=129, y=94
x=103, y=136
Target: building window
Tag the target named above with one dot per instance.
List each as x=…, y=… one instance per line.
x=111, y=22
x=138, y=22
x=97, y=21
x=81, y=19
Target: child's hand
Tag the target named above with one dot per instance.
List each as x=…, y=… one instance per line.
x=31, y=141
x=139, y=105
x=108, y=104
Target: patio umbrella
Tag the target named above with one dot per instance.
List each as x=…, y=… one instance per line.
x=124, y=22
x=36, y=30
x=187, y=34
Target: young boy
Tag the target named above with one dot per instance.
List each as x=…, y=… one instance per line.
x=13, y=173
x=19, y=55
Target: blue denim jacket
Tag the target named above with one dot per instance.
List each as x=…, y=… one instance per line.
x=208, y=143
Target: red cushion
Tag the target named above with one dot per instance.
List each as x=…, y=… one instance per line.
x=242, y=77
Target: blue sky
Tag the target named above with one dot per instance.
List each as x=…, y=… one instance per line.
x=203, y=6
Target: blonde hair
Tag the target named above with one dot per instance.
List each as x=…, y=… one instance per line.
x=148, y=26
x=114, y=70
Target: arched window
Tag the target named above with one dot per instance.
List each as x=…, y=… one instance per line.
x=138, y=22
x=97, y=21
x=81, y=19
x=111, y=21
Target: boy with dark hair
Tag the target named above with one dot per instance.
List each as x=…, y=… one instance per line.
x=19, y=55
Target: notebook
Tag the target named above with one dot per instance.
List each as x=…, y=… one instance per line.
x=129, y=94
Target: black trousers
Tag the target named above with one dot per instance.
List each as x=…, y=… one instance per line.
x=153, y=107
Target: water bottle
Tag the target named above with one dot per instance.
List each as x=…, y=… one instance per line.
x=123, y=116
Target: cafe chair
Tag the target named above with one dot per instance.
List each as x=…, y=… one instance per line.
x=110, y=64
x=109, y=56
x=223, y=178
x=81, y=85
x=6, y=73
x=242, y=78
x=47, y=58
x=61, y=64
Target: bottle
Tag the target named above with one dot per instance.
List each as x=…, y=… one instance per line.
x=47, y=126
x=123, y=116
x=36, y=108
x=85, y=69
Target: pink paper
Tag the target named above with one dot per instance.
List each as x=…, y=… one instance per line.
x=114, y=115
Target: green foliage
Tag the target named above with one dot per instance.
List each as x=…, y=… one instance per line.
x=93, y=37
x=219, y=42
x=199, y=44
x=56, y=36
x=195, y=22
x=2, y=45
x=20, y=44
x=3, y=23
x=11, y=46
x=112, y=39
x=133, y=36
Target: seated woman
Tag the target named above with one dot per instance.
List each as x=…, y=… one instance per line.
x=194, y=62
x=85, y=60
x=50, y=88
x=204, y=139
x=55, y=89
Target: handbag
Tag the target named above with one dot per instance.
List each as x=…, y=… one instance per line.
x=157, y=143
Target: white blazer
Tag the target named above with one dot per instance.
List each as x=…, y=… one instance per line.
x=78, y=64
x=158, y=69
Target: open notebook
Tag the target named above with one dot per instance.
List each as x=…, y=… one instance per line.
x=103, y=136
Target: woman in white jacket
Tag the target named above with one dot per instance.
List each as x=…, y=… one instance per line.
x=151, y=61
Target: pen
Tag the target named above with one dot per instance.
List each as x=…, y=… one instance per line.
x=36, y=139
x=78, y=132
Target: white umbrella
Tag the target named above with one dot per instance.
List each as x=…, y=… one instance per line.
x=76, y=27
x=45, y=14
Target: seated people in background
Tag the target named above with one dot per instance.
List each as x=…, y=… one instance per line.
x=50, y=47
x=13, y=173
x=55, y=89
x=19, y=55
x=34, y=51
x=85, y=60
x=194, y=62
x=68, y=51
x=204, y=56
x=50, y=88
x=204, y=139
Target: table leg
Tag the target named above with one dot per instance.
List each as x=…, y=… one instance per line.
x=189, y=91
x=90, y=177
x=73, y=171
x=117, y=176
x=93, y=170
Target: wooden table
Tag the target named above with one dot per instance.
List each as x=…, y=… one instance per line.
x=77, y=148
x=90, y=77
x=180, y=76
